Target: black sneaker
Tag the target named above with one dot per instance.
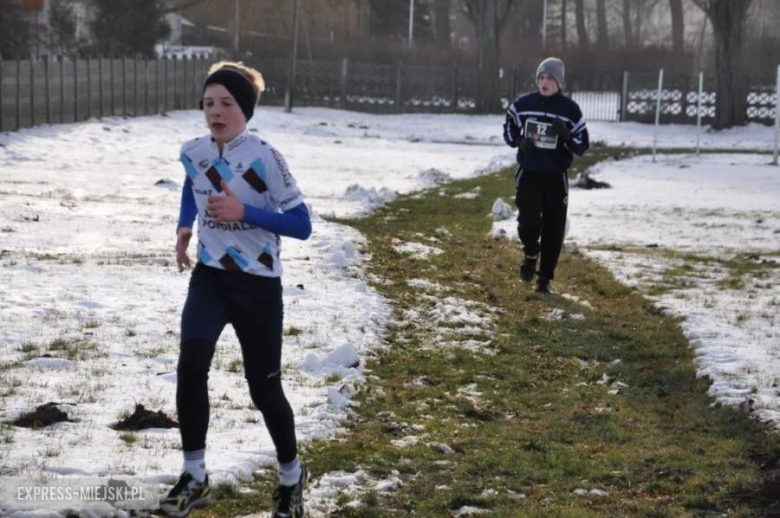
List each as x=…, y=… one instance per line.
x=288, y=500
x=528, y=269
x=543, y=286
x=185, y=496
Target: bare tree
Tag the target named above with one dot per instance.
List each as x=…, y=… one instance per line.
x=563, y=24
x=129, y=27
x=602, y=30
x=62, y=27
x=629, y=41
x=728, y=23
x=642, y=13
x=490, y=18
x=15, y=30
x=582, y=31
x=441, y=26
x=678, y=26
x=527, y=24
x=181, y=6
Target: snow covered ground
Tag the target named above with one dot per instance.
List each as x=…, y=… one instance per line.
x=87, y=217
x=706, y=211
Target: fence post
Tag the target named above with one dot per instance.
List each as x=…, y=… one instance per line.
x=113, y=86
x=624, y=98
x=454, y=89
x=124, y=86
x=157, y=85
x=32, y=92
x=193, y=82
x=777, y=117
x=47, y=81
x=100, y=86
x=184, y=87
x=135, y=86
x=18, y=94
x=344, y=72
x=146, y=87
x=165, y=84
x=175, y=83
x=2, y=75
x=62, y=89
x=658, y=109
x=398, y=92
x=89, y=87
x=76, y=89
x=194, y=74
x=195, y=61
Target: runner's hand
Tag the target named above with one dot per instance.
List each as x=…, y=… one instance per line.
x=527, y=145
x=225, y=208
x=562, y=129
x=183, y=236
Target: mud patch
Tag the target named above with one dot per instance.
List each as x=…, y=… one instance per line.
x=584, y=181
x=45, y=415
x=763, y=498
x=143, y=419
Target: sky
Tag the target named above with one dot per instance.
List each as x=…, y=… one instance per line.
x=87, y=229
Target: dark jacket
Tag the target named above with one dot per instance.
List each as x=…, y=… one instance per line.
x=531, y=116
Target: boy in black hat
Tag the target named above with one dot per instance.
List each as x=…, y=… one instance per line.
x=240, y=191
x=547, y=128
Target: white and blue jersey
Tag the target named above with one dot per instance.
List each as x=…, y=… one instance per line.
x=258, y=175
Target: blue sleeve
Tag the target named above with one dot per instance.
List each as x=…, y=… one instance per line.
x=188, y=211
x=511, y=131
x=292, y=223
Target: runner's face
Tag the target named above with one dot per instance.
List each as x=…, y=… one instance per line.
x=223, y=115
x=547, y=85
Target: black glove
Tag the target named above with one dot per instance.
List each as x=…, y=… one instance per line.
x=511, y=129
x=562, y=129
x=526, y=145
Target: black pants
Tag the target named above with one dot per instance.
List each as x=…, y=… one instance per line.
x=542, y=200
x=253, y=305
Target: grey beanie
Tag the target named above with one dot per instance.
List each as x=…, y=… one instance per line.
x=554, y=67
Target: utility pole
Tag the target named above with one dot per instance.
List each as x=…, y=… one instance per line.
x=288, y=96
x=411, y=22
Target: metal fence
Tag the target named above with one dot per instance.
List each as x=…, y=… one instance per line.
x=70, y=90
x=603, y=96
x=373, y=88
x=65, y=90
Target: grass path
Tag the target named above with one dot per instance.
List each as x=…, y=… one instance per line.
x=489, y=397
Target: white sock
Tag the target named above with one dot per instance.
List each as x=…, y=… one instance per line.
x=290, y=472
x=195, y=464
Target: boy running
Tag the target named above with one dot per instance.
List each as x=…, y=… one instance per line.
x=239, y=189
x=548, y=129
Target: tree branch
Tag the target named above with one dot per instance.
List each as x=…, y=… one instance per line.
x=504, y=17
x=468, y=8
x=179, y=7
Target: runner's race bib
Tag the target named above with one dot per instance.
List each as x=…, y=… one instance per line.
x=543, y=133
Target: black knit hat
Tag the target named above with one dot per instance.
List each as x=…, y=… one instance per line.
x=239, y=87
